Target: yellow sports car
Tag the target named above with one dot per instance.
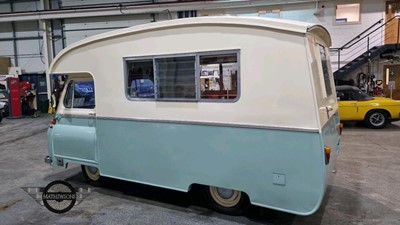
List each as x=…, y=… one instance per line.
x=355, y=105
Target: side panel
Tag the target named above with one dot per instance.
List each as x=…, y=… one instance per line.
x=363, y=107
x=348, y=110
x=265, y=77
x=282, y=170
x=325, y=97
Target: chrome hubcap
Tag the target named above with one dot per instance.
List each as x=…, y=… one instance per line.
x=225, y=197
x=377, y=119
x=225, y=193
x=92, y=172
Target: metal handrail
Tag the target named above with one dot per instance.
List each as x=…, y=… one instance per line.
x=360, y=37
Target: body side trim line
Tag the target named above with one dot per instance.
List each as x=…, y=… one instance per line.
x=300, y=129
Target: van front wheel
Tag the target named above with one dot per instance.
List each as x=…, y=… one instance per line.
x=227, y=201
x=92, y=175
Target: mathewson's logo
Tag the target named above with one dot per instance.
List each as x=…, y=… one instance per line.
x=58, y=196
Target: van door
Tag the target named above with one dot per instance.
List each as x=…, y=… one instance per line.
x=323, y=82
x=74, y=134
x=325, y=95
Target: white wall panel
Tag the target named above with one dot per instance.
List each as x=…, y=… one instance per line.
x=72, y=37
x=66, y=3
x=6, y=48
x=5, y=30
x=29, y=55
x=29, y=46
x=58, y=45
x=26, y=29
x=26, y=6
x=5, y=8
x=31, y=65
x=78, y=29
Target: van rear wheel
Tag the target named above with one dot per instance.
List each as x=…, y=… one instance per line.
x=92, y=175
x=227, y=201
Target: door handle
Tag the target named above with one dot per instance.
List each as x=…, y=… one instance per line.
x=92, y=114
x=328, y=108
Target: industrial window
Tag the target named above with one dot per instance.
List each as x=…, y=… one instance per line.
x=347, y=13
x=80, y=94
x=325, y=70
x=187, y=14
x=210, y=76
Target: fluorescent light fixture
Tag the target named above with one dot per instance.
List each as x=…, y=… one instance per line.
x=387, y=76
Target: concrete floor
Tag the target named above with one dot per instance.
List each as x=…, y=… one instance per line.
x=364, y=190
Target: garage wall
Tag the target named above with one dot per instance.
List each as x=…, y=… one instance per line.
x=371, y=12
x=25, y=39
x=6, y=35
x=323, y=14
x=80, y=28
x=69, y=3
x=28, y=43
x=23, y=42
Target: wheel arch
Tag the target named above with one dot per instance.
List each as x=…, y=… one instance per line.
x=388, y=114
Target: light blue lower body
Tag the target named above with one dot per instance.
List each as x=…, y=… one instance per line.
x=283, y=170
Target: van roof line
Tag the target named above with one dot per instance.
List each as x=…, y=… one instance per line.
x=271, y=23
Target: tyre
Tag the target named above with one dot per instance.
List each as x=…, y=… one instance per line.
x=376, y=119
x=227, y=201
x=92, y=175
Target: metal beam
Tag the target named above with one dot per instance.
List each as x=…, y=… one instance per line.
x=20, y=38
x=128, y=8
x=14, y=35
x=13, y=1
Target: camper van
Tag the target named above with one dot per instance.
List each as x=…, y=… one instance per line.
x=242, y=108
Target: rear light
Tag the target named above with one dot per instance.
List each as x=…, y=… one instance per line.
x=327, y=154
x=53, y=121
x=340, y=128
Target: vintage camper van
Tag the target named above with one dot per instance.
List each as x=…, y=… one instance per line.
x=243, y=108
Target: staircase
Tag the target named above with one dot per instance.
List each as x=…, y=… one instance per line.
x=363, y=58
x=367, y=46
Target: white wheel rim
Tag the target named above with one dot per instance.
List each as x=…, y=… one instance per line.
x=225, y=197
x=377, y=119
x=92, y=172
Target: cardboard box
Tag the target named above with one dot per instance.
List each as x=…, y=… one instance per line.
x=5, y=62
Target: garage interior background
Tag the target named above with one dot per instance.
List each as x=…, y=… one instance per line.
x=32, y=32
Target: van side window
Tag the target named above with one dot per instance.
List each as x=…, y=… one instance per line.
x=218, y=76
x=202, y=76
x=176, y=78
x=324, y=63
x=80, y=94
x=140, y=79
